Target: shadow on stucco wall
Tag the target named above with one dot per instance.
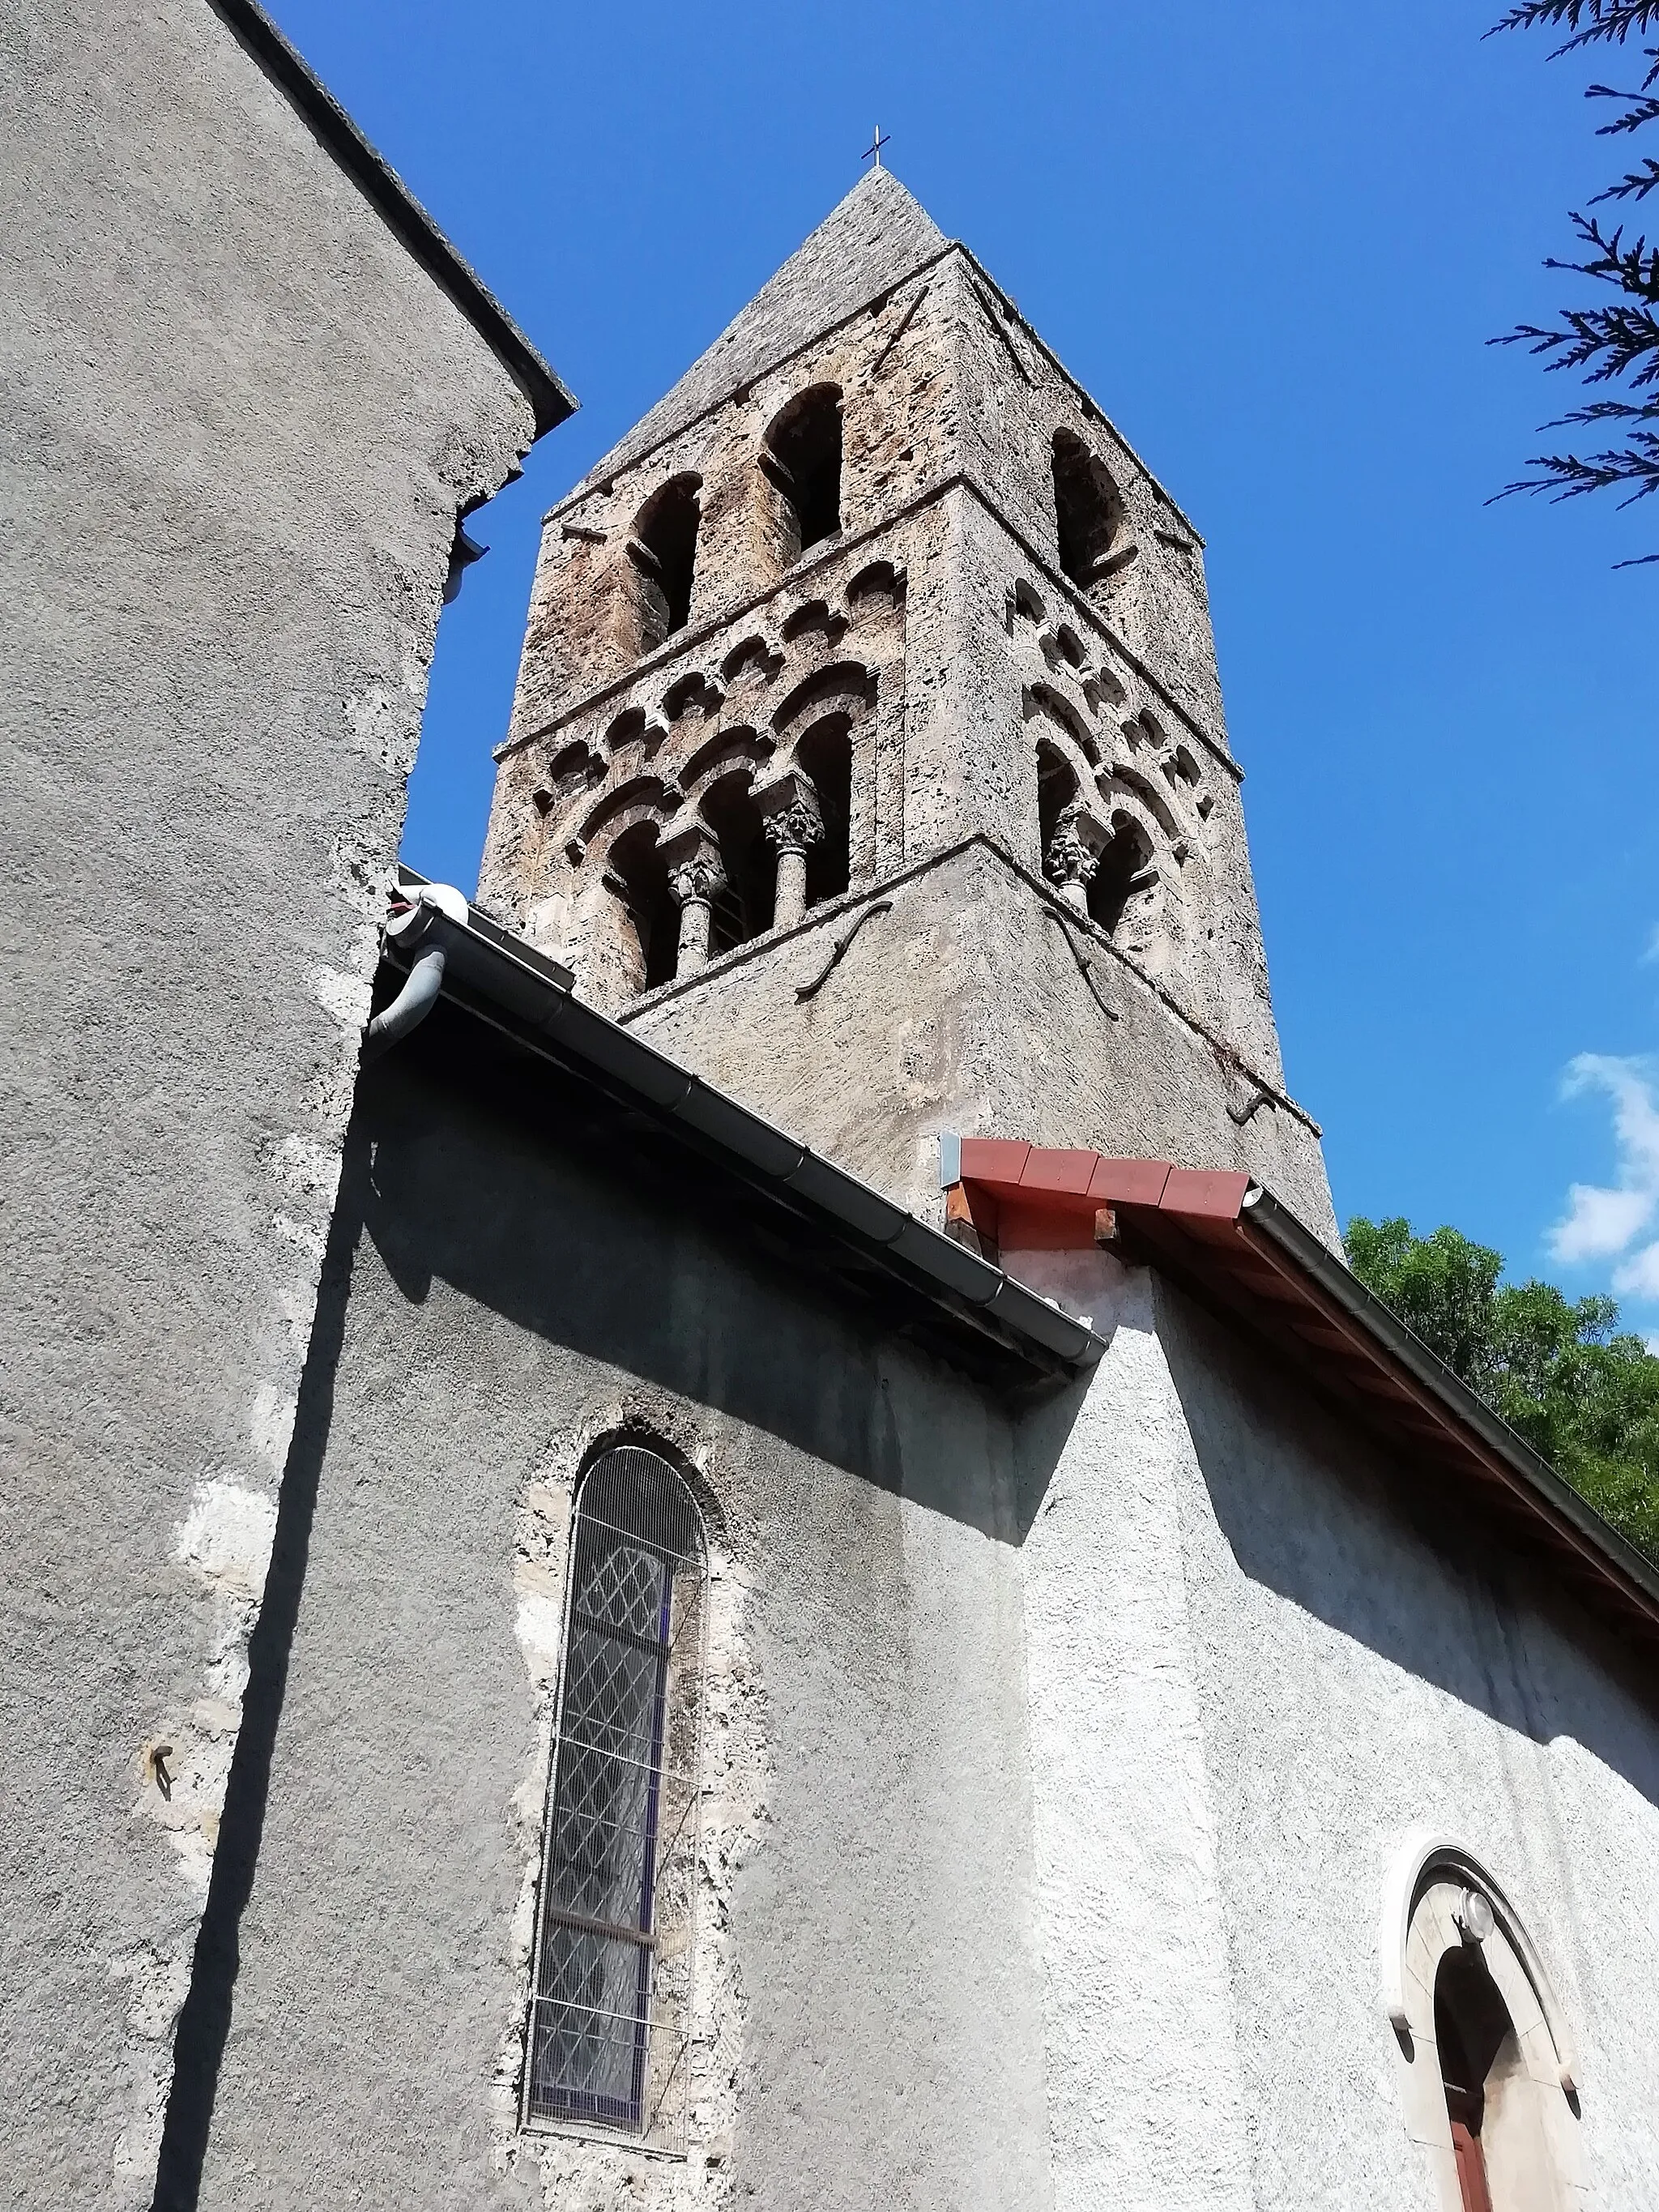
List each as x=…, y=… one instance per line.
x=204, y=2018
x=1431, y=1582
x=589, y=1229
x=590, y=1233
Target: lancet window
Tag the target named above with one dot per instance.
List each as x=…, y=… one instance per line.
x=662, y=553
x=639, y=871
x=800, y=460
x=610, y=2006
x=742, y=900
x=1088, y=512
x=1125, y=880
x=824, y=758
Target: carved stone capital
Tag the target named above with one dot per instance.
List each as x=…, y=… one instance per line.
x=694, y=869
x=1068, y=862
x=696, y=879
x=793, y=828
x=791, y=816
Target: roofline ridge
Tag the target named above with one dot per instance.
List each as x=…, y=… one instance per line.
x=551, y=401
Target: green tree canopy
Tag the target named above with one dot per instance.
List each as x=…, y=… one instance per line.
x=1581, y=1391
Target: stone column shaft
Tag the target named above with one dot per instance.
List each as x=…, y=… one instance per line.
x=696, y=916
x=793, y=823
x=696, y=873
x=789, y=902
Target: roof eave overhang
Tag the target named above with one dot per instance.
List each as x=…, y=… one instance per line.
x=1231, y=1243
x=551, y=402
x=505, y=982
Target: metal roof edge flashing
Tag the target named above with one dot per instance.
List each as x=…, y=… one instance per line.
x=551, y=402
x=532, y=1000
x=1340, y=1282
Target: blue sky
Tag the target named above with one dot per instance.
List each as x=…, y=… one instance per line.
x=1271, y=241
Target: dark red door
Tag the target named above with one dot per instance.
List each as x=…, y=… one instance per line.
x=1471, y=2168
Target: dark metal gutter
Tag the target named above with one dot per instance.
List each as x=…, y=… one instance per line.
x=1526, y=1470
x=505, y=982
x=399, y=210
x=1240, y=1251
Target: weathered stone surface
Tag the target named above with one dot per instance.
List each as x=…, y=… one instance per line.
x=869, y=242
x=913, y=1031
x=970, y=674
x=238, y=423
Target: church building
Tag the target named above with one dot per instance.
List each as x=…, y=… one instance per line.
x=860, y=1611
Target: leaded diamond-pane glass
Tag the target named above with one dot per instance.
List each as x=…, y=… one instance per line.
x=636, y=1529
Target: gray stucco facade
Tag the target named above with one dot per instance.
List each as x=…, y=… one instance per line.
x=1063, y=1738
x=1123, y=1674
x=240, y=419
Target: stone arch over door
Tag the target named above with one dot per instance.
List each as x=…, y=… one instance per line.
x=1448, y=1929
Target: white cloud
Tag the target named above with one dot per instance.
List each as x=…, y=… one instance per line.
x=1601, y=1222
x=1652, y=952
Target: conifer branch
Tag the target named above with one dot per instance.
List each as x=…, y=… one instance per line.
x=1620, y=341
x=1590, y=22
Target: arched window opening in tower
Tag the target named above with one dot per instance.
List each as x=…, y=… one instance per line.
x=1088, y=512
x=800, y=458
x=662, y=549
x=742, y=907
x=1125, y=873
x=1057, y=792
x=825, y=754
x=638, y=872
x=608, y=2027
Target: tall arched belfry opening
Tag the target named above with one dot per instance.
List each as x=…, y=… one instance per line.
x=929, y=581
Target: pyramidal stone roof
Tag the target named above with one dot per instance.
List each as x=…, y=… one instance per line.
x=871, y=241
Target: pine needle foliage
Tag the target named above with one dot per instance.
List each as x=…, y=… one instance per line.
x=1583, y=1394
x=1615, y=343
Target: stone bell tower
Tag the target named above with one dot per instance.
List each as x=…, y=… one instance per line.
x=868, y=751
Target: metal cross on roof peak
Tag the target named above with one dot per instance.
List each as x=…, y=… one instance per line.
x=873, y=151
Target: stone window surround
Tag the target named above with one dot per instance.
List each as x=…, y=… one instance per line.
x=660, y=2135
x=1415, y=1933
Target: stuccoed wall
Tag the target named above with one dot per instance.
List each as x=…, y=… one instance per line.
x=963, y=1008
x=512, y=1285
x=239, y=424
x=1056, y=1755
x=1258, y=1655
